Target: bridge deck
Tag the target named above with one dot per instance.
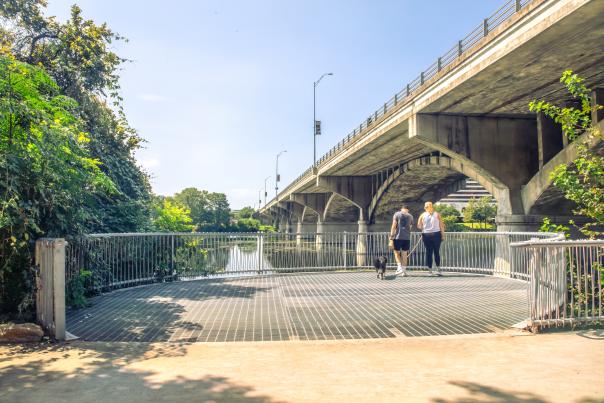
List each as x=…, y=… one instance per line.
x=316, y=306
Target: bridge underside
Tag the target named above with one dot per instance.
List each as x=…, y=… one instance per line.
x=471, y=120
x=351, y=305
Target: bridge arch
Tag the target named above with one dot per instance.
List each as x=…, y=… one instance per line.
x=445, y=176
x=539, y=195
x=341, y=209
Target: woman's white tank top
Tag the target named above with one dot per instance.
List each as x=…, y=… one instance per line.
x=431, y=222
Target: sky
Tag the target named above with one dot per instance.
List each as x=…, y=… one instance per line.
x=219, y=88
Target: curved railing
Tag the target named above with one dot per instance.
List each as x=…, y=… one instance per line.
x=565, y=280
x=409, y=91
x=108, y=261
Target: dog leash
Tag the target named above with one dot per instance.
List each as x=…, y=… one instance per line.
x=415, y=247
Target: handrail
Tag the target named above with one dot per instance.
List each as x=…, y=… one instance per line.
x=462, y=47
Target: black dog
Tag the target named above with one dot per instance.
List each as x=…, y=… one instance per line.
x=380, y=266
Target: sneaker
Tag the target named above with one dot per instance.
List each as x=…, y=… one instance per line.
x=404, y=273
x=438, y=272
x=399, y=271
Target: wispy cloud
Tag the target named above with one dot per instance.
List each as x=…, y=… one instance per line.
x=151, y=97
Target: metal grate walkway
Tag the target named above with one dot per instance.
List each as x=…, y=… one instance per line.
x=316, y=306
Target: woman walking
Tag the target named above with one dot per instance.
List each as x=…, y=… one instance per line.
x=433, y=233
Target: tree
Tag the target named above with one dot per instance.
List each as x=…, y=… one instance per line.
x=47, y=176
x=245, y=212
x=196, y=201
x=582, y=181
x=77, y=54
x=171, y=217
x=450, y=216
x=480, y=210
x=209, y=211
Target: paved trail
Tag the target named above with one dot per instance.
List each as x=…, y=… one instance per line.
x=501, y=367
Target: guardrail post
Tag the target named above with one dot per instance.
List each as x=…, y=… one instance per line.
x=385, y=108
x=344, y=249
x=259, y=247
x=439, y=64
x=421, y=78
x=485, y=26
x=172, y=265
x=459, y=48
x=518, y=5
x=408, y=90
x=395, y=99
x=50, y=298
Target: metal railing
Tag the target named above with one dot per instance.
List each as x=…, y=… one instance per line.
x=122, y=260
x=461, y=48
x=565, y=281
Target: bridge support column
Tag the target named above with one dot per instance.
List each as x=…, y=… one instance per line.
x=319, y=235
x=549, y=139
x=502, y=263
x=361, y=247
x=299, y=232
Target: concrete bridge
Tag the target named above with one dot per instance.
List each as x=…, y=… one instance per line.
x=465, y=117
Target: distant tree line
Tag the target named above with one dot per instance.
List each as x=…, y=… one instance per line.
x=202, y=211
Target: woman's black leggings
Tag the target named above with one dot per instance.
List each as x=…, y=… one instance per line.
x=432, y=242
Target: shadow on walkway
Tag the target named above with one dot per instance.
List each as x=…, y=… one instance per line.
x=98, y=373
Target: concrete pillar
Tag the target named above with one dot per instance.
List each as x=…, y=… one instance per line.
x=361, y=246
x=501, y=150
x=549, y=138
x=530, y=222
x=518, y=222
x=502, y=265
x=299, y=232
x=319, y=236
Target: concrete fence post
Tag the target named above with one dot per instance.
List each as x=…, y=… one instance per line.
x=361, y=247
x=50, y=279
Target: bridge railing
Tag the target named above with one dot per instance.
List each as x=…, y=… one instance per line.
x=107, y=261
x=565, y=281
x=461, y=48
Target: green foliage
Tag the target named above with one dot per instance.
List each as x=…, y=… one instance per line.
x=171, y=217
x=480, y=210
x=245, y=212
x=210, y=212
x=78, y=55
x=574, y=120
x=47, y=174
x=66, y=150
x=583, y=181
x=548, y=226
x=450, y=216
x=75, y=290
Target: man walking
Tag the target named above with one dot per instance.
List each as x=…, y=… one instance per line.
x=400, y=235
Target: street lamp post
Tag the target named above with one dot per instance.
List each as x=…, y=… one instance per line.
x=314, y=118
x=259, y=199
x=277, y=174
x=265, y=193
